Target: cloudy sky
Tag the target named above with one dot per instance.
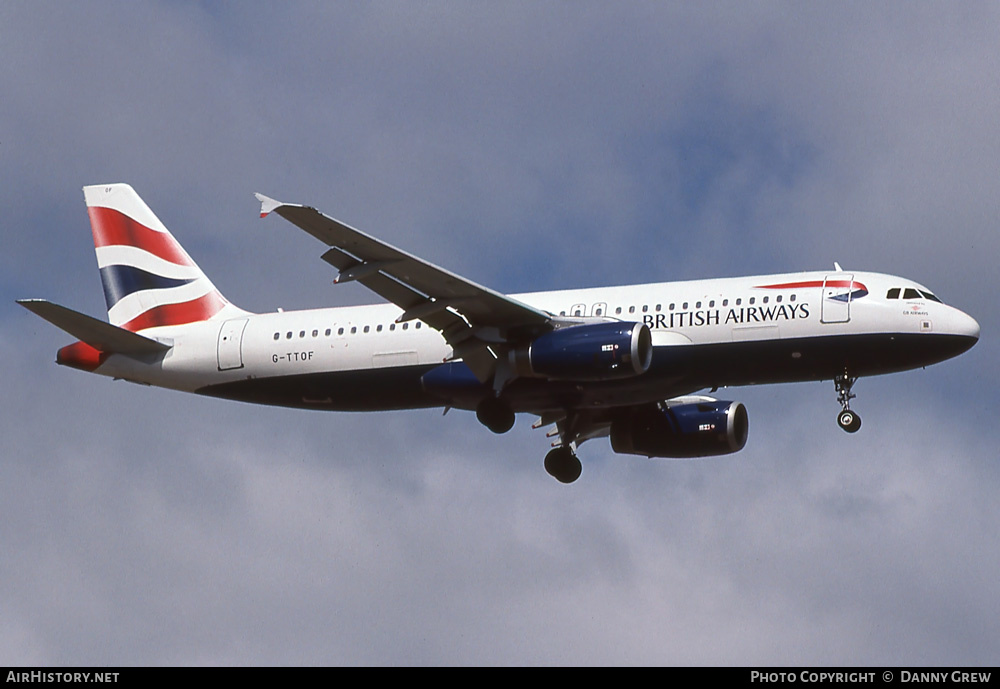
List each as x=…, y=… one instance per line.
x=527, y=146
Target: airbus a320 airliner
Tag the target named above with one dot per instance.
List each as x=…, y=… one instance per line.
x=623, y=362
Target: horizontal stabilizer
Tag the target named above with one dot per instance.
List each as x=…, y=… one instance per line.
x=98, y=334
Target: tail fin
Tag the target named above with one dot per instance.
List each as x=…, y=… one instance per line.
x=149, y=280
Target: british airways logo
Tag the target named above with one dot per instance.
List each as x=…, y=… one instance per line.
x=737, y=316
x=840, y=290
x=852, y=295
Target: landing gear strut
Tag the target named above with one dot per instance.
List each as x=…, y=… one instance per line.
x=563, y=465
x=495, y=414
x=846, y=419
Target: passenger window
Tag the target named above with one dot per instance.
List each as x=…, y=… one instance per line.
x=765, y=299
x=893, y=293
x=911, y=293
x=778, y=299
x=672, y=306
x=315, y=333
x=752, y=299
x=711, y=304
x=658, y=307
x=791, y=298
x=302, y=333
x=739, y=301
x=725, y=302
x=405, y=326
x=618, y=310
x=378, y=328
x=367, y=328
x=328, y=331
x=698, y=305
x=354, y=329
x=417, y=326
x=392, y=326
x=289, y=335
x=598, y=312
x=685, y=306
x=340, y=331
x=277, y=335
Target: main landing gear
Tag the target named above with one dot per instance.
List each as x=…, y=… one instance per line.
x=563, y=465
x=495, y=414
x=846, y=419
x=561, y=462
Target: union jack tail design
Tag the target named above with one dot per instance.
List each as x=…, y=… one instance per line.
x=149, y=280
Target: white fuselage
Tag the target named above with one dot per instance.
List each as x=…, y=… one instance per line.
x=771, y=313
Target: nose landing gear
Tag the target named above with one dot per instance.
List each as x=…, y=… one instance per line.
x=849, y=421
x=846, y=419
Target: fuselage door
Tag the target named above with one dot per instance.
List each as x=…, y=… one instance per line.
x=231, y=344
x=837, y=289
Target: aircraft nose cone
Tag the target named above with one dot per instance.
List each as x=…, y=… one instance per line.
x=965, y=329
x=968, y=326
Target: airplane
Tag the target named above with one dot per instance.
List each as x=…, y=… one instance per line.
x=624, y=362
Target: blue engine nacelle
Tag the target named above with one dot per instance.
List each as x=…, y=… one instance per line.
x=596, y=351
x=699, y=429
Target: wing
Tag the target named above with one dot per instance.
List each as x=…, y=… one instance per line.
x=476, y=321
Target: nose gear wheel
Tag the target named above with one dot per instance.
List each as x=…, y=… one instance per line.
x=847, y=419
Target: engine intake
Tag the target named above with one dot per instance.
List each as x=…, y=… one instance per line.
x=700, y=429
x=596, y=351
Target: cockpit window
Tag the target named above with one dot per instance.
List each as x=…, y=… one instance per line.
x=911, y=293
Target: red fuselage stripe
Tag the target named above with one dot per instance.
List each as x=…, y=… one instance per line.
x=815, y=283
